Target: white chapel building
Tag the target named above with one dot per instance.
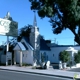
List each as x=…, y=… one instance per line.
x=29, y=49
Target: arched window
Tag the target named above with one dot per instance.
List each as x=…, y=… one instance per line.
x=44, y=53
x=53, y=55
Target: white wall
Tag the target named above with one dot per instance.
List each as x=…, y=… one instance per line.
x=56, y=50
x=24, y=56
x=27, y=57
x=17, y=56
x=55, y=53
x=77, y=47
x=47, y=54
x=17, y=47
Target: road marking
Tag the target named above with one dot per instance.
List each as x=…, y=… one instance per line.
x=38, y=75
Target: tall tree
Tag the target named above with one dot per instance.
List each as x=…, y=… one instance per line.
x=63, y=14
x=25, y=31
x=77, y=57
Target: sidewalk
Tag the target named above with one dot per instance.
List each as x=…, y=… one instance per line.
x=49, y=72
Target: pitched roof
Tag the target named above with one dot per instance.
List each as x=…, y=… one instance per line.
x=21, y=46
x=43, y=45
x=28, y=43
x=24, y=45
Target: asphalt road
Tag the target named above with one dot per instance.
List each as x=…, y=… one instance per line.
x=12, y=75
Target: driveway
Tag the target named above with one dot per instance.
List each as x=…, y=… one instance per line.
x=75, y=70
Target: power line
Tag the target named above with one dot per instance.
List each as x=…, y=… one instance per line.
x=67, y=38
x=63, y=37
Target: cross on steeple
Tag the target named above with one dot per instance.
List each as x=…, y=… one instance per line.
x=8, y=16
x=35, y=21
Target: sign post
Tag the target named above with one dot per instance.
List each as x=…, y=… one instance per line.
x=7, y=49
x=8, y=28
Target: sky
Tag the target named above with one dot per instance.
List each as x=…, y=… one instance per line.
x=20, y=11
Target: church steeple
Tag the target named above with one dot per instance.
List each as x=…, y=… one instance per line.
x=35, y=21
x=35, y=40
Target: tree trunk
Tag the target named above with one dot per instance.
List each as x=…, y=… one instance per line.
x=77, y=36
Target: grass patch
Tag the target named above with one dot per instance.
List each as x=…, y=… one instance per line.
x=24, y=64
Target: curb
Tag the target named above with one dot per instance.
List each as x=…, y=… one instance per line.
x=38, y=73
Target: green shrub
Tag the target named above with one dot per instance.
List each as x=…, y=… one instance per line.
x=77, y=57
x=34, y=67
x=24, y=64
x=64, y=56
x=42, y=57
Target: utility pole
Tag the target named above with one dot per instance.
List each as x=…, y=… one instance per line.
x=55, y=40
x=2, y=42
x=74, y=42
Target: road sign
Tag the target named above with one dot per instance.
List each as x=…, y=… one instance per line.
x=8, y=28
